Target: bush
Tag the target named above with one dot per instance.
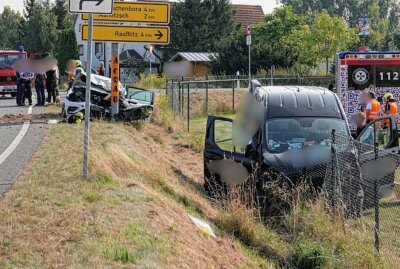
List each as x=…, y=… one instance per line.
x=309, y=256
x=152, y=81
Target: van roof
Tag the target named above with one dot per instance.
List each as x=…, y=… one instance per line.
x=299, y=101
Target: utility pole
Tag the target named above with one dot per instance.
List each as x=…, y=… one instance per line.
x=248, y=42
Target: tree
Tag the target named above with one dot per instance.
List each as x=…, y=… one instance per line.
x=63, y=18
x=268, y=46
x=67, y=48
x=232, y=54
x=322, y=39
x=28, y=7
x=40, y=29
x=196, y=25
x=384, y=14
x=9, y=22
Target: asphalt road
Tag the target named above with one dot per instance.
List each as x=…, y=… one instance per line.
x=18, y=142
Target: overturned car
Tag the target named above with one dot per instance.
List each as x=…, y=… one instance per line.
x=135, y=104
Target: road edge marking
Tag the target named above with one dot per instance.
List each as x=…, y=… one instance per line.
x=17, y=139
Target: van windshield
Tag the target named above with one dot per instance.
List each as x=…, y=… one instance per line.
x=297, y=133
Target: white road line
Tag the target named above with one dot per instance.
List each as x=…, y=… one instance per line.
x=17, y=139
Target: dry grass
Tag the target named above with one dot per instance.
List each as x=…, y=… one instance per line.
x=300, y=232
x=133, y=210
x=131, y=213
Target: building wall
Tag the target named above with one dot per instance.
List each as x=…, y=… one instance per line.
x=200, y=69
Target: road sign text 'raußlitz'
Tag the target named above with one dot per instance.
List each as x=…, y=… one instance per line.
x=135, y=34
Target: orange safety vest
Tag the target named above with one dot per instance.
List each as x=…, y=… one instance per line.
x=375, y=110
x=392, y=110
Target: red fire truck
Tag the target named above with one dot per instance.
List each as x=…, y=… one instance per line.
x=8, y=78
x=357, y=71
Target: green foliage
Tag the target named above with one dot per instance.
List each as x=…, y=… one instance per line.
x=384, y=16
x=122, y=255
x=196, y=25
x=309, y=256
x=28, y=8
x=321, y=39
x=67, y=48
x=40, y=29
x=10, y=23
x=64, y=20
x=268, y=47
x=152, y=81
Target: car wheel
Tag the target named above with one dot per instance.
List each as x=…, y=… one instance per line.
x=13, y=95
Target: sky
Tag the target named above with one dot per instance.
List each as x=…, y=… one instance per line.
x=268, y=5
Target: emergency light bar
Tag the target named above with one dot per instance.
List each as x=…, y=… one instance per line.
x=369, y=58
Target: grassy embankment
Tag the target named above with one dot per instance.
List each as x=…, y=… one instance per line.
x=133, y=210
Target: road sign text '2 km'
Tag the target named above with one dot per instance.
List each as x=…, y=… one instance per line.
x=136, y=12
x=135, y=34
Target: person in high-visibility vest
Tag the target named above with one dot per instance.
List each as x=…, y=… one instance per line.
x=390, y=106
x=373, y=107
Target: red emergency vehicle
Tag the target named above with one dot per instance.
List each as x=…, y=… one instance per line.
x=376, y=71
x=8, y=78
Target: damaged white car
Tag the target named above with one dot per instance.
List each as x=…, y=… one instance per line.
x=134, y=103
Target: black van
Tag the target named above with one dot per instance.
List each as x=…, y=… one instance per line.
x=284, y=128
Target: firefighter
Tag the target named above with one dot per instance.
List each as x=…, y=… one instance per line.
x=390, y=104
x=373, y=107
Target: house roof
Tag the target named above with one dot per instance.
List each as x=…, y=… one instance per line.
x=248, y=14
x=194, y=56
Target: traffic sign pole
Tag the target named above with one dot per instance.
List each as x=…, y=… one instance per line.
x=114, y=81
x=87, y=101
x=248, y=42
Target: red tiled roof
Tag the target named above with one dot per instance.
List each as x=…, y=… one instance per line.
x=248, y=14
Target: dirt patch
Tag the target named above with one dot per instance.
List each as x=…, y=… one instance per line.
x=34, y=118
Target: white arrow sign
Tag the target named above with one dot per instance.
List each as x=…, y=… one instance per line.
x=91, y=6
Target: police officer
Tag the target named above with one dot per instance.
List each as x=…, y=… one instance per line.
x=52, y=78
x=27, y=82
x=39, y=86
x=20, y=89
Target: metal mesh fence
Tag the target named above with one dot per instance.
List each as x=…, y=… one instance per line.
x=193, y=98
x=371, y=206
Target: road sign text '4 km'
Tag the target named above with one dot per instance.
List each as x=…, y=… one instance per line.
x=135, y=34
x=136, y=12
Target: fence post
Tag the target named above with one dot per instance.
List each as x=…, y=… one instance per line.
x=377, y=226
x=179, y=96
x=333, y=176
x=206, y=94
x=233, y=96
x=172, y=96
x=188, y=106
x=183, y=98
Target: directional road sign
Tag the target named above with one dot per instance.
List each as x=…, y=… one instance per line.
x=136, y=12
x=91, y=6
x=135, y=34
